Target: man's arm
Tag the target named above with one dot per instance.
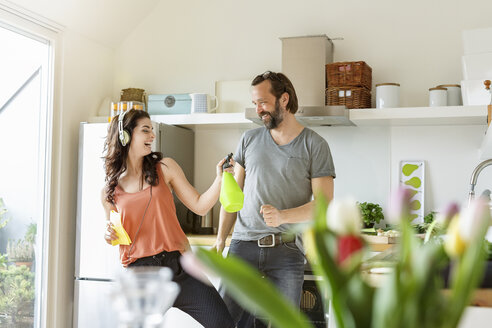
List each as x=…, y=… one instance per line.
x=227, y=220
x=274, y=217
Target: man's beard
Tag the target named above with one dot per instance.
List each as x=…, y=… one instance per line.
x=276, y=117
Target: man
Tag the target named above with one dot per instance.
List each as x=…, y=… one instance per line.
x=278, y=166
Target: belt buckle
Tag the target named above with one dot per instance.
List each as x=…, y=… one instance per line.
x=268, y=245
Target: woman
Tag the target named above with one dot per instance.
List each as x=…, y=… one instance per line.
x=139, y=185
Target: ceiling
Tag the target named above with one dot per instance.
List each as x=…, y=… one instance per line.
x=106, y=21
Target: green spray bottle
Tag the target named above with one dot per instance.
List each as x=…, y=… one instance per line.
x=231, y=196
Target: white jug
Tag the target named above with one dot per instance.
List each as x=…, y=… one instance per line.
x=202, y=103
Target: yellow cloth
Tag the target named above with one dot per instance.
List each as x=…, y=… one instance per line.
x=123, y=238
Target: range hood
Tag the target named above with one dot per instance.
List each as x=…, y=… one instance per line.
x=304, y=61
x=313, y=116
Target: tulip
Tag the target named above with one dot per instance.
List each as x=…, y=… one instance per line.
x=454, y=244
x=473, y=218
x=309, y=245
x=194, y=267
x=444, y=218
x=348, y=245
x=399, y=206
x=344, y=217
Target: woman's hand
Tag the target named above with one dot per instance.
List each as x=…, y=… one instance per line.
x=230, y=169
x=110, y=233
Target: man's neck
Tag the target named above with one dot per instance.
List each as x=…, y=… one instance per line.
x=287, y=130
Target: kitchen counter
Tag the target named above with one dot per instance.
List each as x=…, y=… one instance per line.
x=209, y=240
x=204, y=240
x=482, y=296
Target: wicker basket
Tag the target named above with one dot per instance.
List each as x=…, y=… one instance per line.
x=357, y=74
x=351, y=97
x=134, y=94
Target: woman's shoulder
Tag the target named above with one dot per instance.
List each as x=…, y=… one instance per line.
x=168, y=165
x=167, y=161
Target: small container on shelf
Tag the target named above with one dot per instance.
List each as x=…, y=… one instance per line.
x=438, y=96
x=113, y=111
x=453, y=94
x=351, y=97
x=387, y=95
x=343, y=74
x=122, y=107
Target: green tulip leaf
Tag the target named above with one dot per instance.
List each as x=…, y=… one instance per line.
x=255, y=294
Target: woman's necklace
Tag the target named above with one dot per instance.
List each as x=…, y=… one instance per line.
x=140, y=182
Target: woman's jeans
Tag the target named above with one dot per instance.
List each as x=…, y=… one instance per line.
x=199, y=300
x=282, y=264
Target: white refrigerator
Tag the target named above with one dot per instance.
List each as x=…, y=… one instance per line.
x=96, y=262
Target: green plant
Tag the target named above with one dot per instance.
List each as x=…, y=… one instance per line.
x=371, y=214
x=20, y=251
x=17, y=295
x=31, y=231
x=429, y=218
x=3, y=217
x=3, y=261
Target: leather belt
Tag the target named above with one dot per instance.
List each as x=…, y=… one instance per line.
x=273, y=240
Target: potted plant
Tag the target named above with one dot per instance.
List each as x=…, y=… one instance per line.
x=371, y=214
x=21, y=252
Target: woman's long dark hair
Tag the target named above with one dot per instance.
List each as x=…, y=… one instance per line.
x=116, y=154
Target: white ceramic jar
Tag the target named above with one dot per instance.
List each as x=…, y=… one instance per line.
x=454, y=94
x=387, y=95
x=438, y=96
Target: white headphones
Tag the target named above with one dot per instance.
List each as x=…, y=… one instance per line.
x=123, y=134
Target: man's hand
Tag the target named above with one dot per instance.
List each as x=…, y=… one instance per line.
x=271, y=215
x=218, y=246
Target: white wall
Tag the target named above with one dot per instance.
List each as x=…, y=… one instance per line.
x=186, y=46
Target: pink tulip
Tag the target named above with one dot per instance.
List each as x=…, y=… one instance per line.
x=194, y=267
x=449, y=212
x=399, y=207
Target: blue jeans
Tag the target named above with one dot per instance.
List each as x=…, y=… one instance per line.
x=283, y=265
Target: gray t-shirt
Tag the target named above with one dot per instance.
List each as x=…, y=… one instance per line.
x=277, y=175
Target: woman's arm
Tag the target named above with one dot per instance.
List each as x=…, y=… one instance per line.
x=199, y=204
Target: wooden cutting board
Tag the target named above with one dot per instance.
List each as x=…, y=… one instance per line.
x=372, y=239
x=380, y=239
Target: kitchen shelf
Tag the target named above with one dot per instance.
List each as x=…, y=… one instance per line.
x=418, y=116
x=206, y=120
x=403, y=116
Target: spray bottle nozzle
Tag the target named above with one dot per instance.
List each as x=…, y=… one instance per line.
x=226, y=163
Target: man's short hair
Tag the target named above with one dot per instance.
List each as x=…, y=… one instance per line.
x=280, y=84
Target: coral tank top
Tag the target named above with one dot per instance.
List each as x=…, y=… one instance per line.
x=160, y=229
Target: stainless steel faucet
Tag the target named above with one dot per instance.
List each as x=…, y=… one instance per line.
x=474, y=177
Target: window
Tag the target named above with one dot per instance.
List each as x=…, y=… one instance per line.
x=25, y=113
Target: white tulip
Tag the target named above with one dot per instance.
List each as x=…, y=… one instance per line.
x=472, y=219
x=344, y=217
